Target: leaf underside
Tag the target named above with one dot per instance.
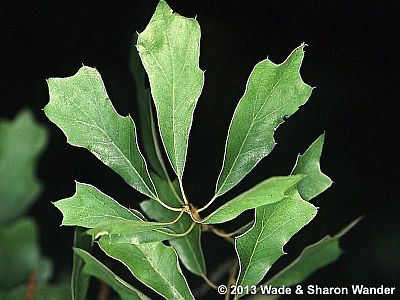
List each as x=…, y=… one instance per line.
x=273, y=92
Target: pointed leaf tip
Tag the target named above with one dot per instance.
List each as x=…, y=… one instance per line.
x=80, y=107
x=272, y=93
x=171, y=60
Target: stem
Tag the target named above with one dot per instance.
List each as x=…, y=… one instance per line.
x=186, y=232
x=215, y=276
x=208, y=204
x=167, y=206
x=209, y=282
x=231, y=279
x=159, y=157
x=104, y=291
x=222, y=234
x=183, y=191
x=176, y=219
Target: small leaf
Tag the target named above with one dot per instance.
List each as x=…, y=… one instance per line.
x=311, y=259
x=188, y=247
x=260, y=247
x=80, y=106
x=273, y=92
x=80, y=280
x=169, y=49
x=267, y=192
x=95, y=268
x=315, y=182
x=153, y=264
x=21, y=142
x=89, y=208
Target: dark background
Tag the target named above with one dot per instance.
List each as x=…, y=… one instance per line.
x=350, y=58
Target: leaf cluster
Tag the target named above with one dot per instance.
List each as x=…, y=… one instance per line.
x=154, y=245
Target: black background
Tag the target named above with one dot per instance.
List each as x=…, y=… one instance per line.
x=350, y=58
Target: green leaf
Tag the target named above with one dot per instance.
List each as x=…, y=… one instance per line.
x=89, y=207
x=80, y=106
x=80, y=280
x=315, y=182
x=273, y=92
x=147, y=130
x=260, y=247
x=311, y=259
x=19, y=252
x=267, y=192
x=21, y=142
x=155, y=235
x=188, y=247
x=154, y=264
x=122, y=227
x=169, y=50
x=95, y=268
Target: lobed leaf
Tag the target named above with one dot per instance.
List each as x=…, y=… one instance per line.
x=153, y=264
x=169, y=50
x=273, y=92
x=267, y=192
x=89, y=207
x=95, y=268
x=315, y=182
x=311, y=259
x=260, y=247
x=188, y=247
x=21, y=142
x=80, y=106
